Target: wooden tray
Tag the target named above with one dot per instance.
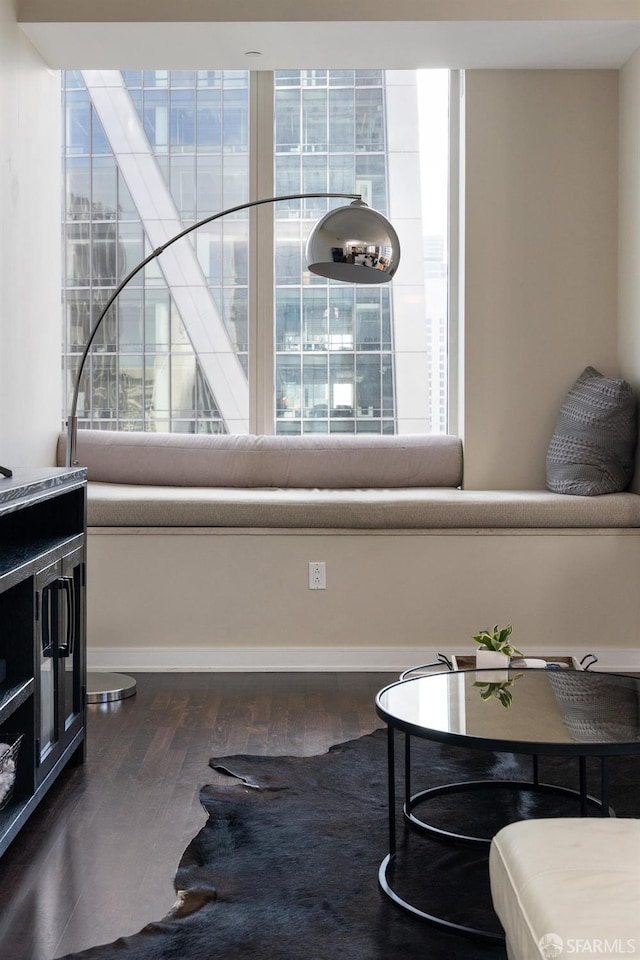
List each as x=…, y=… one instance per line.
x=469, y=662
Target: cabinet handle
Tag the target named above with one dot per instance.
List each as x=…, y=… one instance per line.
x=65, y=649
x=47, y=645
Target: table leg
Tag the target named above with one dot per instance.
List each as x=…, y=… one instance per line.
x=407, y=773
x=387, y=864
x=604, y=787
x=391, y=770
x=583, y=786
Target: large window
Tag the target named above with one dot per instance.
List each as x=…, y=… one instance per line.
x=149, y=152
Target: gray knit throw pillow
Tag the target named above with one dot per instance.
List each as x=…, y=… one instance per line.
x=593, y=447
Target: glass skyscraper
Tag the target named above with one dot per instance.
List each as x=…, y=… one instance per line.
x=149, y=152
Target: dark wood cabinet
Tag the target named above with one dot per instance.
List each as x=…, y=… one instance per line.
x=42, y=632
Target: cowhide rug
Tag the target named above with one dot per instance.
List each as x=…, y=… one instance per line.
x=286, y=867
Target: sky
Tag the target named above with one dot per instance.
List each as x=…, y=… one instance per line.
x=433, y=113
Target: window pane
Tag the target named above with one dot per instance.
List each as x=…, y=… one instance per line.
x=288, y=121
x=156, y=117
x=157, y=313
x=288, y=383
x=78, y=188
x=208, y=185
x=288, y=182
x=78, y=122
x=316, y=387
x=183, y=119
x=126, y=207
x=209, y=120
x=342, y=175
x=182, y=78
x=236, y=318
x=235, y=178
x=288, y=320
x=99, y=142
x=104, y=386
x=344, y=78
x=341, y=120
x=131, y=392
x=78, y=318
x=314, y=120
x=183, y=372
x=78, y=254
x=105, y=188
x=236, y=118
x=106, y=252
x=130, y=248
x=130, y=320
x=370, y=119
x=183, y=185
x=353, y=327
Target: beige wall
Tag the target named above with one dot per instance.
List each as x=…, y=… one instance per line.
x=629, y=242
x=227, y=599
x=29, y=251
x=540, y=255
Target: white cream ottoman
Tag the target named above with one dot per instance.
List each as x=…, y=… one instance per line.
x=568, y=886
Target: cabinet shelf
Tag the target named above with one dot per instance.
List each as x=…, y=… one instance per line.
x=17, y=559
x=13, y=696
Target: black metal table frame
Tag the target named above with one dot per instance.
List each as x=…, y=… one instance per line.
x=411, y=801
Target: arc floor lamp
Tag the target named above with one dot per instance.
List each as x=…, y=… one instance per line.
x=351, y=244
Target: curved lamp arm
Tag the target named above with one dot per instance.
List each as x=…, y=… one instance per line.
x=347, y=255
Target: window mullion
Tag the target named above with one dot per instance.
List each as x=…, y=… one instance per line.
x=455, y=351
x=261, y=268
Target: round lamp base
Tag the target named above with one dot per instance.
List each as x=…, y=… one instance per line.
x=107, y=687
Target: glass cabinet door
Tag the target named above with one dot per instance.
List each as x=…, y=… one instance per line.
x=71, y=649
x=59, y=657
x=47, y=713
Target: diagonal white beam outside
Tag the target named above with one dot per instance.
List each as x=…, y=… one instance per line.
x=179, y=264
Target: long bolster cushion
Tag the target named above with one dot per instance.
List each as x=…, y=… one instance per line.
x=327, y=461
x=568, y=885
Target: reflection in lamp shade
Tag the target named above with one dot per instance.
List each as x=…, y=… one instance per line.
x=354, y=244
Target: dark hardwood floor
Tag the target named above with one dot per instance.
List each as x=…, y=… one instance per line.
x=97, y=859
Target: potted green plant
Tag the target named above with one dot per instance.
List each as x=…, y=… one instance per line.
x=495, y=648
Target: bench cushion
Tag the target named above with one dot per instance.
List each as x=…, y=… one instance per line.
x=567, y=880
x=129, y=505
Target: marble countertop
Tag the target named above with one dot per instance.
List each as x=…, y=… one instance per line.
x=33, y=483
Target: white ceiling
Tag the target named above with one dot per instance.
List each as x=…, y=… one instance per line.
x=539, y=44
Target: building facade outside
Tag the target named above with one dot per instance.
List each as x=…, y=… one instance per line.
x=146, y=153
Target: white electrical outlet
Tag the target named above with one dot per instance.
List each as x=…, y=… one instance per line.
x=317, y=575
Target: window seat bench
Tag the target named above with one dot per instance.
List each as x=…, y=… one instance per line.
x=199, y=550
x=317, y=481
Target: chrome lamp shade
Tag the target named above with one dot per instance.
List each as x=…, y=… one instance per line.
x=354, y=244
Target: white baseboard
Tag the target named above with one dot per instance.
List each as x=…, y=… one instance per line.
x=309, y=659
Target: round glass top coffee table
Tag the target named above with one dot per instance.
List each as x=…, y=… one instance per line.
x=537, y=712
